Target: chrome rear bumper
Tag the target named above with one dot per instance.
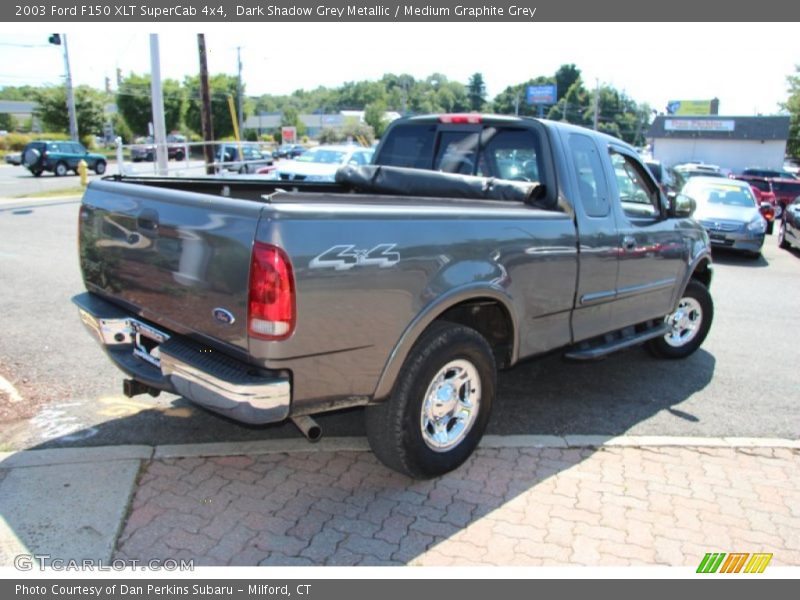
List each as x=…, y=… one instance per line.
x=174, y=364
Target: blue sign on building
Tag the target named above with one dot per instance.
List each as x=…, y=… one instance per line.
x=541, y=94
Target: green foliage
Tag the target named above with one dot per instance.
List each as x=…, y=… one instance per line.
x=354, y=131
x=22, y=93
x=291, y=118
x=51, y=109
x=8, y=122
x=375, y=117
x=122, y=129
x=792, y=106
x=134, y=101
x=221, y=86
x=477, y=92
x=15, y=142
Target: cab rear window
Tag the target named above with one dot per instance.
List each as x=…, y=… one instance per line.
x=501, y=152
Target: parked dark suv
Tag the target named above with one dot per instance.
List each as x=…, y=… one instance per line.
x=60, y=158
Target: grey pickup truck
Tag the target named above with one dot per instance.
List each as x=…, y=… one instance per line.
x=471, y=243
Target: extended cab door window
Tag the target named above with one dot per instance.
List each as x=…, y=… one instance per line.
x=638, y=194
x=591, y=180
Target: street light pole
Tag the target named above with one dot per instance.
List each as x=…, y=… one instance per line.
x=239, y=90
x=73, y=118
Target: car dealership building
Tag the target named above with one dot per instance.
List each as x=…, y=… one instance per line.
x=734, y=143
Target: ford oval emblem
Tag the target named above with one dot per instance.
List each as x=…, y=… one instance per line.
x=223, y=316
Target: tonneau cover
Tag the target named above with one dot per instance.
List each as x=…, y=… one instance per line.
x=401, y=181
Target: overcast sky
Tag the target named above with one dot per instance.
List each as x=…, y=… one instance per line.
x=743, y=64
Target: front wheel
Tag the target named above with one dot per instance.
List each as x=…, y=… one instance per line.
x=100, y=167
x=688, y=326
x=440, y=405
x=61, y=169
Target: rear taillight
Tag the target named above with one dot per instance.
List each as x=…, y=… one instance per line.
x=461, y=118
x=271, y=303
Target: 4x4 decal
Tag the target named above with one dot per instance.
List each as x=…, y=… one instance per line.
x=345, y=256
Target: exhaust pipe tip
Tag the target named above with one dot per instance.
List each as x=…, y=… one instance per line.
x=308, y=427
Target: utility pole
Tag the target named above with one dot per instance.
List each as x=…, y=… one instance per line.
x=58, y=39
x=239, y=91
x=206, y=123
x=516, y=104
x=157, y=94
x=596, y=101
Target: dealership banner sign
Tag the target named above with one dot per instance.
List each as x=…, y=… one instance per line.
x=725, y=125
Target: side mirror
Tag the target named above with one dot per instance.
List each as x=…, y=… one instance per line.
x=681, y=206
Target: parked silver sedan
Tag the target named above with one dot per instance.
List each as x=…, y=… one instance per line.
x=728, y=210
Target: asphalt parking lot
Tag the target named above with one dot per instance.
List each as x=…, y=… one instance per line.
x=739, y=384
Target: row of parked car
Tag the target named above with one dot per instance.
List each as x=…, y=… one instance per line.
x=737, y=209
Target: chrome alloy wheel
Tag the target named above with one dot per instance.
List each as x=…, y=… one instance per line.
x=684, y=324
x=451, y=405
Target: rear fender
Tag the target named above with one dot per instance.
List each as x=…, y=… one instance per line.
x=433, y=311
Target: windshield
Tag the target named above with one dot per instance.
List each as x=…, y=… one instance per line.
x=322, y=156
x=728, y=195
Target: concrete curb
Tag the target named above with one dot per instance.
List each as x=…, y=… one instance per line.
x=56, y=456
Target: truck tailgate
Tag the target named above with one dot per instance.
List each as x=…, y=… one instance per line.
x=176, y=258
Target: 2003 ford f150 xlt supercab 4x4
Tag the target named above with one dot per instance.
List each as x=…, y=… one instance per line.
x=473, y=242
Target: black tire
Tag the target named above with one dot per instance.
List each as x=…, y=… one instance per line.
x=395, y=427
x=179, y=156
x=36, y=172
x=244, y=170
x=782, y=243
x=770, y=227
x=100, y=167
x=694, y=297
x=60, y=169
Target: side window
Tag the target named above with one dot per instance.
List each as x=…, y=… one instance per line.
x=591, y=178
x=510, y=154
x=637, y=194
x=78, y=149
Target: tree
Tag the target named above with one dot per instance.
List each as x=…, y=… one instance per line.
x=135, y=103
x=51, y=109
x=565, y=77
x=375, y=117
x=291, y=118
x=7, y=122
x=476, y=90
x=221, y=86
x=792, y=105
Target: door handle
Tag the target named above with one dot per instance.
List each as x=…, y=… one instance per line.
x=629, y=242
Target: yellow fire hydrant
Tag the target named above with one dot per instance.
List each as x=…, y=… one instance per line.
x=83, y=172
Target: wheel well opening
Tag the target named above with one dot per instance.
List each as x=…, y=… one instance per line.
x=490, y=319
x=702, y=274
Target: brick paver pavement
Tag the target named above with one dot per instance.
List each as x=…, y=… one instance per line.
x=516, y=506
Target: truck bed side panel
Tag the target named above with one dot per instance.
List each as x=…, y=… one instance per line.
x=365, y=271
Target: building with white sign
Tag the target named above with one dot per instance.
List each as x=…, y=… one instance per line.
x=733, y=143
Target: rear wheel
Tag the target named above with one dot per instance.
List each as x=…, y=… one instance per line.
x=782, y=243
x=688, y=325
x=61, y=169
x=36, y=172
x=100, y=167
x=440, y=406
x=770, y=227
